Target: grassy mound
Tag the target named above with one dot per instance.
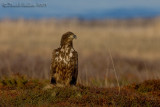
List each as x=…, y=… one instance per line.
x=18, y=91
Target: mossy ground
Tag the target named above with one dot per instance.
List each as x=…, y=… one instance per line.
x=19, y=91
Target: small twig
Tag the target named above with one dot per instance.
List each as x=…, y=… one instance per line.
x=114, y=70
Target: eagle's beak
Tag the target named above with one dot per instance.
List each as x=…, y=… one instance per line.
x=74, y=36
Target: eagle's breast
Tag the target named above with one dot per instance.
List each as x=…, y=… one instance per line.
x=64, y=57
x=64, y=64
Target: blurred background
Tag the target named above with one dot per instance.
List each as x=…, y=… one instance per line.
x=117, y=40
x=84, y=9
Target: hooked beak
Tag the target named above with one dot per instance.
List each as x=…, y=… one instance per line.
x=74, y=36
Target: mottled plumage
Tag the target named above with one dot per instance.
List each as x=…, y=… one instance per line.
x=64, y=65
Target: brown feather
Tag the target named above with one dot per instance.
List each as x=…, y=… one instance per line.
x=64, y=64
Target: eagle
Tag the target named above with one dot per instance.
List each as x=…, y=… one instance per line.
x=64, y=63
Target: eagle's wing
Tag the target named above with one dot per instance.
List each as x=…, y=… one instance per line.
x=53, y=67
x=75, y=72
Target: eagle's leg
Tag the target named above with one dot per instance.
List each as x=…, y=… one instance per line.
x=53, y=80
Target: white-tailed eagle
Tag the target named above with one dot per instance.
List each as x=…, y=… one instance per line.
x=64, y=64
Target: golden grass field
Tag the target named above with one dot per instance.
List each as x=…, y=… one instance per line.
x=109, y=50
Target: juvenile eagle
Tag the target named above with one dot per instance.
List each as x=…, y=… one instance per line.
x=64, y=65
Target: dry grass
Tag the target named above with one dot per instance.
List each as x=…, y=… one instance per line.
x=26, y=46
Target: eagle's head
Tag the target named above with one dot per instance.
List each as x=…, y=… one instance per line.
x=67, y=38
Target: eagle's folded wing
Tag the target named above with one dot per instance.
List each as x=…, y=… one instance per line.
x=53, y=67
x=75, y=72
